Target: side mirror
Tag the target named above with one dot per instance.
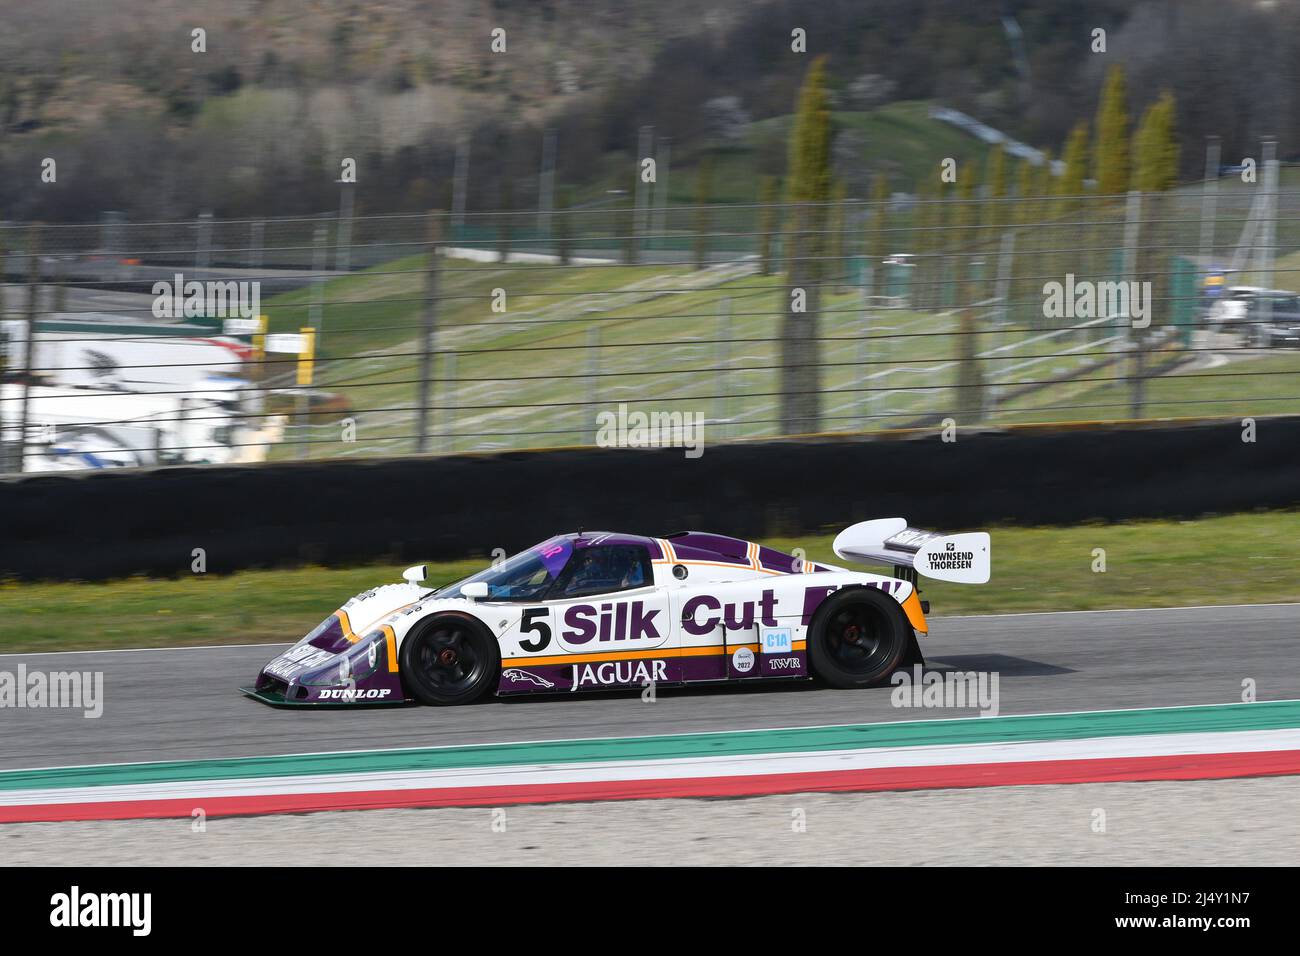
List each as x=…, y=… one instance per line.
x=415, y=574
x=475, y=590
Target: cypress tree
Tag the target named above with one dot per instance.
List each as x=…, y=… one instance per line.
x=809, y=182
x=1110, y=152
x=1155, y=147
x=1155, y=170
x=810, y=167
x=1075, y=156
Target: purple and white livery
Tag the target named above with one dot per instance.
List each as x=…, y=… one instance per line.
x=598, y=610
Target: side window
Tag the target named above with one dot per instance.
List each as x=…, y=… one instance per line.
x=602, y=569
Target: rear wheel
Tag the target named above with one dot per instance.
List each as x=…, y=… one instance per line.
x=858, y=638
x=449, y=660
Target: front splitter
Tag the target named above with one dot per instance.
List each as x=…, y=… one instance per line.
x=276, y=699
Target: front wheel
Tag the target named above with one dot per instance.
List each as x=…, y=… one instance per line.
x=449, y=659
x=858, y=638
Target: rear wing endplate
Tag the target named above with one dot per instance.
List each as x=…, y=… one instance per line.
x=963, y=558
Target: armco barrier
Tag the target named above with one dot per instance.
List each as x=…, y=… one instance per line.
x=102, y=525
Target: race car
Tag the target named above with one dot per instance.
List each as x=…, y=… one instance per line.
x=599, y=610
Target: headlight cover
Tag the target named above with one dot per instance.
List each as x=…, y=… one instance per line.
x=353, y=665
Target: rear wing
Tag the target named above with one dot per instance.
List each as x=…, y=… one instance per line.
x=963, y=558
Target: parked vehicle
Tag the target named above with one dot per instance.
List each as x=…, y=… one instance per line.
x=74, y=428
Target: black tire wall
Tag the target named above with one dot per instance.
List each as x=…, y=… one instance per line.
x=105, y=525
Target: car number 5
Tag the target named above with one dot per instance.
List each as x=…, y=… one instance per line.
x=529, y=623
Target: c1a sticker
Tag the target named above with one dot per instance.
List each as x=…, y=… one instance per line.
x=777, y=640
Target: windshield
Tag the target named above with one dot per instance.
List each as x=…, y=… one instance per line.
x=522, y=577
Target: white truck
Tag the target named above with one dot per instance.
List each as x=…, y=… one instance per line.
x=110, y=393
x=78, y=428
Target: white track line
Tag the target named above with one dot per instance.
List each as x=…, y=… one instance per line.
x=1118, y=610
x=138, y=650
x=954, y=617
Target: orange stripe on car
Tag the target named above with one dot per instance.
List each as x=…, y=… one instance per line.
x=912, y=608
x=390, y=641
x=346, y=623
x=705, y=651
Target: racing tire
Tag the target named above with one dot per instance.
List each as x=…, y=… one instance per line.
x=858, y=638
x=449, y=659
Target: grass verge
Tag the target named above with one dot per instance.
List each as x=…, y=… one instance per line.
x=1247, y=558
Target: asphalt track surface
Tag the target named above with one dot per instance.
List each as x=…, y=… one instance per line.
x=183, y=703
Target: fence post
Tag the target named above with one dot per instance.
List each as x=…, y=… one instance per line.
x=429, y=332
x=459, y=184
x=60, y=302
x=546, y=184
x=449, y=398
x=1133, y=338
x=630, y=250
x=800, y=329
x=1003, y=289
x=343, y=236
x=703, y=218
x=316, y=322
x=864, y=353
x=563, y=229
x=316, y=312
x=722, y=383
x=203, y=244
x=256, y=238
x=970, y=378
x=1209, y=202
x=1268, y=240
x=29, y=361
x=182, y=436
x=645, y=142
x=505, y=218
x=5, y=354
x=663, y=162
x=593, y=373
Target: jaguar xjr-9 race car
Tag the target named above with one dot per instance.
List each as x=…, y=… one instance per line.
x=598, y=610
